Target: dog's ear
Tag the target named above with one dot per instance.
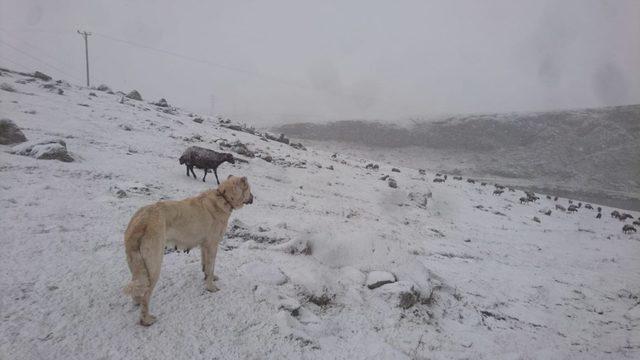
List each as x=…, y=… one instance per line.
x=229, y=177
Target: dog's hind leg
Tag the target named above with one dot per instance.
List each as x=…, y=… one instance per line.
x=151, y=251
x=139, y=276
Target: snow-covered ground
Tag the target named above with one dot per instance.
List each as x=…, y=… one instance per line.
x=473, y=276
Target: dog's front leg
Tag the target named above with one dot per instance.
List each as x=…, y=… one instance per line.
x=204, y=257
x=209, y=251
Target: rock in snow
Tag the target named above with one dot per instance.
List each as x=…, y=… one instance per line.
x=134, y=95
x=404, y=292
x=10, y=133
x=162, y=103
x=55, y=149
x=420, y=199
x=41, y=76
x=265, y=273
x=105, y=88
x=376, y=279
x=7, y=87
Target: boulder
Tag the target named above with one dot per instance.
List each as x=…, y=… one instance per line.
x=233, y=127
x=10, y=133
x=162, y=103
x=41, y=76
x=266, y=157
x=103, y=87
x=283, y=139
x=375, y=279
x=420, y=199
x=134, y=95
x=298, y=146
x=264, y=273
x=7, y=87
x=55, y=149
x=405, y=292
x=392, y=183
x=199, y=120
x=242, y=149
x=63, y=83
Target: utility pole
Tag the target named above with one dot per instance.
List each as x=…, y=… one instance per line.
x=85, y=35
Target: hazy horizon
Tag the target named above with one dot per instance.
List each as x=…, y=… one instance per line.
x=286, y=61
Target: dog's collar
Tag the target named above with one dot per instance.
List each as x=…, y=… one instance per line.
x=225, y=199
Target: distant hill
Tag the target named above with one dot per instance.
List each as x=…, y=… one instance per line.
x=602, y=126
x=587, y=150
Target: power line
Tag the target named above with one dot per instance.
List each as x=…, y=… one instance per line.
x=20, y=66
x=36, y=59
x=204, y=61
x=231, y=68
x=255, y=74
x=40, y=50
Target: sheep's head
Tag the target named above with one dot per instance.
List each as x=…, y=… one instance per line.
x=229, y=158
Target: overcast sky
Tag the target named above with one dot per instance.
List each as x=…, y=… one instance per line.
x=273, y=61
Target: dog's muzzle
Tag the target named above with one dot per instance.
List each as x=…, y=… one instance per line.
x=250, y=200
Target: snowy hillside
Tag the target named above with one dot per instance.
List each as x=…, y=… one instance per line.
x=460, y=272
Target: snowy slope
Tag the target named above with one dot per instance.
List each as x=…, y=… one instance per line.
x=476, y=276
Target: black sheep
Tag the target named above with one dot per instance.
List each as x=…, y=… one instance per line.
x=195, y=156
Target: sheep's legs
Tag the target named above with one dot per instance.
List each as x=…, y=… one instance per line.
x=205, y=174
x=191, y=168
x=216, y=174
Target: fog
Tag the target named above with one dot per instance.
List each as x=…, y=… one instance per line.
x=285, y=61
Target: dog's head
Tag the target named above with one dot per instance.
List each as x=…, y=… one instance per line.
x=237, y=191
x=229, y=158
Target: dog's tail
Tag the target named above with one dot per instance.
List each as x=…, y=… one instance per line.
x=140, y=279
